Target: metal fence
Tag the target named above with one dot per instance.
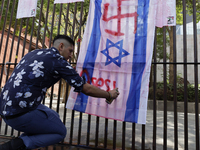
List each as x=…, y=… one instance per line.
x=166, y=128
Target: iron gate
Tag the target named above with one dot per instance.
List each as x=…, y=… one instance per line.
x=170, y=124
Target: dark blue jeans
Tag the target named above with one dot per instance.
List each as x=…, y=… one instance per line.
x=41, y=127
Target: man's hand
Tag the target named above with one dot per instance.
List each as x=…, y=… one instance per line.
x=113, y=94
x=94, y=91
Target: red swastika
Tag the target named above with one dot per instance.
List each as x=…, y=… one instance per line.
x=119, y=16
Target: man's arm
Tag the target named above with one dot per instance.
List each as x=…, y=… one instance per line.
x=94, y=91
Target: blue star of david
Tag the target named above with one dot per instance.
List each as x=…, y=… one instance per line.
x=122, y=52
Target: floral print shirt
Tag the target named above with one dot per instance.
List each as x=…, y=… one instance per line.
x=35, y=73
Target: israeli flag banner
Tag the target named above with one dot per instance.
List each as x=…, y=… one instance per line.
x=116, y=51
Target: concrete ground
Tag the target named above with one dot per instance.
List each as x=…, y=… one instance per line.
x=138, y=131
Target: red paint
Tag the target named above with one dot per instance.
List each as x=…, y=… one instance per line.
x=119, y=16
x=98, y=82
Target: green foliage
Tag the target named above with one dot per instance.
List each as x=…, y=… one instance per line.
x=180, y=90
x=179, y=14
x=189, y=10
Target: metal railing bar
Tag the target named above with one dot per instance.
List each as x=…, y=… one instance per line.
x=38, y=31
x=46, y=22
x=165, y=91
x=175, y=91
x=65, y=109
x=58, y=99
x=59, y=20
x=196, y=76
x=123, y=134
x=66, y=21
x=67, y=85
x=143, y=137
x=72, y=116
x=74, y=19
x=51, y=97
x=24, y=43
x=105, y=133
x=79, y=34
x=185, y=77
x=133, y=136
x=1, y=11
x=1, y=43
x=154, y=92
x=88, y=130
x=51, y=33
x=72, y=126
x=4, y=25
x=97, y=132
x=58, y=31
x=114, y=133
x=18, y=43
x=80, y=127
x=74, y=26
x=60, y=82
x=30, y=44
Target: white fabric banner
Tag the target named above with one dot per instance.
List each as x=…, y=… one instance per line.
x=26, y=8
x=116, y=51
x=67, y=1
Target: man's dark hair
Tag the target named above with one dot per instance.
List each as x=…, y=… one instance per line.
x=65, y=37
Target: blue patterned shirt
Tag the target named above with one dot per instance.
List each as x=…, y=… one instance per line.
x=35, y=73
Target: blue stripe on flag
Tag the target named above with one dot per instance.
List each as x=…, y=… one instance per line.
x=93, y=46
x=139, y=61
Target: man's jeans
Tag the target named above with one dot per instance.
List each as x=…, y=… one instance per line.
x=41, y=127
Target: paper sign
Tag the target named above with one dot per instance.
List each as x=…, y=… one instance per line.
x=166, y=13
x=26, y=8
x=67, y=1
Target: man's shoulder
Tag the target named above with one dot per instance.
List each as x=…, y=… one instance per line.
x=38, y=50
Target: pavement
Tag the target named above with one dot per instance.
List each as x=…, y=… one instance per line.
x=128, y=132
x=138, y=131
